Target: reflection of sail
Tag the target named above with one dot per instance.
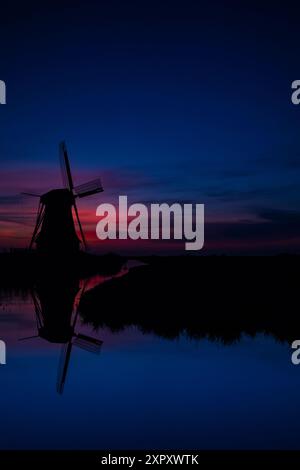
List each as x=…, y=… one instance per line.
x=63, y=366
x=57, y=308
x=85, y=342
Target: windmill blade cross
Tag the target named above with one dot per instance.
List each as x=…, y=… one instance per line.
x=30, y=194
x=39, y=220
x=80, y=227
x=28, y=337
x=65, y=165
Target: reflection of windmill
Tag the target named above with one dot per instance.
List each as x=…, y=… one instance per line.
x=77, y=339
x=55, y=229
x=57, y=312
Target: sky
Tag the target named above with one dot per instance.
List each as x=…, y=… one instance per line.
x=166, y=102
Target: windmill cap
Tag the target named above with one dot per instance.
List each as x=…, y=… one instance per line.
x=58, y=196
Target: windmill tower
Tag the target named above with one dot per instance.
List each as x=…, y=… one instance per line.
x=54, y=230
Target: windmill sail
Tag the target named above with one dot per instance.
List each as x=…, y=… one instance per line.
x=30, y=194
x=87, y=189
x=65, y=166
x=80, y=226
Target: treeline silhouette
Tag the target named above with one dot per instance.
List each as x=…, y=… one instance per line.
x=21, y=269
x=218, y=298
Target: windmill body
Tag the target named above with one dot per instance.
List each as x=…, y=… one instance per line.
x=55, y=231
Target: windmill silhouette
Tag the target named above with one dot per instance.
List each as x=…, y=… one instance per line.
x=55, y=226
x=56, y=308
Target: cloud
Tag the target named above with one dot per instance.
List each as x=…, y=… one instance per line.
x=267, y=226
x=229, y=195
x=16, y=219
x=280, y=217
x=257, y=193
x=10, y=200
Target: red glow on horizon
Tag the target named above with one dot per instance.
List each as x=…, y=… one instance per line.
x=18, y=214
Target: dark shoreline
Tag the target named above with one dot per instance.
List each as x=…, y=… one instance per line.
x=219, y=298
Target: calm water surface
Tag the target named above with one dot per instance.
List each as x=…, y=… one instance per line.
x=143, y=391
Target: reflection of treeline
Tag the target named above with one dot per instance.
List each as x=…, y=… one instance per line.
x=216, y=298
x=10, y=292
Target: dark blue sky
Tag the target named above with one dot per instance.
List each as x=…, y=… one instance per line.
x=167, y=100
